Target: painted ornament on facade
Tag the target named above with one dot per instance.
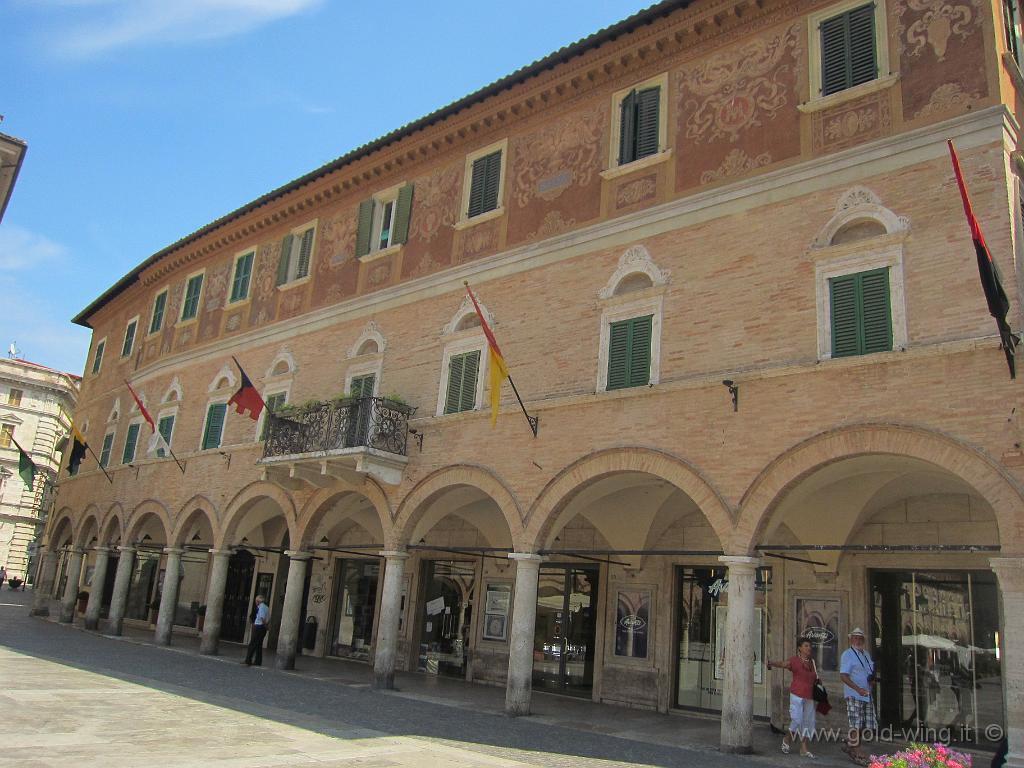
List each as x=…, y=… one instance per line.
x=736, y=163
x=950, y=97
x=933, y=23
x=553, y=224
x=636, y=191
x=338, y=240
x=562, y=155
x=217, y=288
x=737, y=89
x=437, y=200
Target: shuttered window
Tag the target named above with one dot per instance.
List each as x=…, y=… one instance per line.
x=462, y=375
x=166, y=429
x=274, y=403
x=129, y=338
x=629, y=352
x=243, y=275
x=193, y=289
x=97, y=359
x=384, y=221
x=214, y=430
x=861, y=314
x=130, y=442
x=1012, y=28
x=484, y=184
x=296, y=252
x=848, y=55
x=362, y=386
x=159, y=305
x=108, y=443
x=639, y=124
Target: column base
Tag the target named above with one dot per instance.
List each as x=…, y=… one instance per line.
x=739, y=749
x=284, y=661
x=92, y=623
x=114, y=628
x=208, y=647
x=384, y=681
x=39, y=612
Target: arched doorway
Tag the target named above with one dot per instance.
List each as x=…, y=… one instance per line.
x=148, y=533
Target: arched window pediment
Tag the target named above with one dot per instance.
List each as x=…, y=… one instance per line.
x=636, y=271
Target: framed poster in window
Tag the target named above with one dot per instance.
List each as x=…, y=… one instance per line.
x=721, y=614
x=497, y=601
x=817, y=619
x=632, y=623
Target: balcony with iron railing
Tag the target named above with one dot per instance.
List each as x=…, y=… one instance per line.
x=337, y=439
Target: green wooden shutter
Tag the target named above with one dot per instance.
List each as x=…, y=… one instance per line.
x=214, y=426
x=647, y=122
x=863, y=65
x=845, y=335
x=243, y=271
x=158, y=312
x=618, y=355
x=286, y=255
x=165, y=427
x=108, y=442
x=483, y=188
x=365, y=227
x=130, y=441
x=455, y=368
x=97, y=359
x=462, y=377
x=193, y=289
x=627, y=129
x=834, y=55
x=129, y=339
x=403, y=212
x=875, y=312
x=640, y=351
x=305, y=252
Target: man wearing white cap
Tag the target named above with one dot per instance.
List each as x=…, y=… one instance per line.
x=856, y=670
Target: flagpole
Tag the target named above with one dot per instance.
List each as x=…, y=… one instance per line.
x=100, y=465
x=531, y=420
x=180, y=465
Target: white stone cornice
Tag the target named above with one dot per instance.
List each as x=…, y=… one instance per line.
x=848, y=167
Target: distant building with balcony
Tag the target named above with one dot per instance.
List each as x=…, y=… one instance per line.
x=36, y=403
x=723, y=252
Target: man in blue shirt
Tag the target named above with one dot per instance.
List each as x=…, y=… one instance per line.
x=260, y=625
x=857, y=670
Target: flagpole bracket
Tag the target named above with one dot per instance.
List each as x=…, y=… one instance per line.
x=534, y=423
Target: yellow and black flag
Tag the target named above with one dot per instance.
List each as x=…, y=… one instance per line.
x=78, y=449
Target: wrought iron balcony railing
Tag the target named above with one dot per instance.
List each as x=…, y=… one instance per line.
x=368, y=422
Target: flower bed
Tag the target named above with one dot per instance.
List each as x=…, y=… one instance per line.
x=922, y=756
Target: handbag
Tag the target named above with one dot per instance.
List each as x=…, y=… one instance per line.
x=820, y=694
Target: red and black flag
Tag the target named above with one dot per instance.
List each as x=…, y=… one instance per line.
x=995, y=295
x=247, y=398
x=142, y=408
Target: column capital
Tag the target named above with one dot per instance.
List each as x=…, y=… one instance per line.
x=298, y=554
x=77, y=551
x=394, y=554
x=173, y=550
x=531, y=558
x=126, y=548
x=222, y=552
x=102, y=548
x=740, y=563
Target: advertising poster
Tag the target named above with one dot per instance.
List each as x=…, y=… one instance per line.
x=632, y=623
x=721, y=612
x=497, y=599
x=817, y=619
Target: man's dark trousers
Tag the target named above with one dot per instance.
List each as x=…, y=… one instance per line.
x=255, y=653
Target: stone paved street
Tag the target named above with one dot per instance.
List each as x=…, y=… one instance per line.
x=74, y=698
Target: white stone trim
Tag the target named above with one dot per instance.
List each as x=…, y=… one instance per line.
x=154, y=439
x=175, y=387
x=457, y=347
x=857, y=204
x=373, y=366
x=624, y=310
x=284, y=356
x=371, y=332
x=115, y=411
x=223, y=427
x=296, y=233
x=814, y=21
x=467, y=182
x=466, y=308
x=636, y=259
x=225, y=372
x=928, y=143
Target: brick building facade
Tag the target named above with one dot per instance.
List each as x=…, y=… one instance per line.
x=723, y=251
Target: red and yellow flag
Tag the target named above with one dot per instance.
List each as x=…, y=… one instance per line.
x=499, y=371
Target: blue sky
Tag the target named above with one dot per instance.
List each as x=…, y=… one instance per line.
x=147, y=119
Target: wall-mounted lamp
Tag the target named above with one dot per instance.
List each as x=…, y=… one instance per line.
x=734, y=391
x=147, y=537
x=418, y=437
x=245, y=539
x=196, y=536
x=325, y=540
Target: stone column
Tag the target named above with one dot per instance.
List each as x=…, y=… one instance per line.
x=387, y=626
x=99, y=579
x=122, y=580
x=215, y=601
x=738, y=688
x=1010, y=572
x=42, y=589
x=524, y=620
x=67, y=603
x=169, y=596
x=291, y=611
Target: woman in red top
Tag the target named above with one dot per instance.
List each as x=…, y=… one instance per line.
x=801, y=698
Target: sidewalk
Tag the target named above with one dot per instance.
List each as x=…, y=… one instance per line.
x=680, y=730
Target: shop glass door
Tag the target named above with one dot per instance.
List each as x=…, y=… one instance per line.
x=936, y=643
x=702, y=605
x=446, y=616
x=354, y=604
x=563, y=651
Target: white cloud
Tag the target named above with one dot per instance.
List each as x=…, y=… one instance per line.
x=35, y=319
x=104, y=25
x=21, y=249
